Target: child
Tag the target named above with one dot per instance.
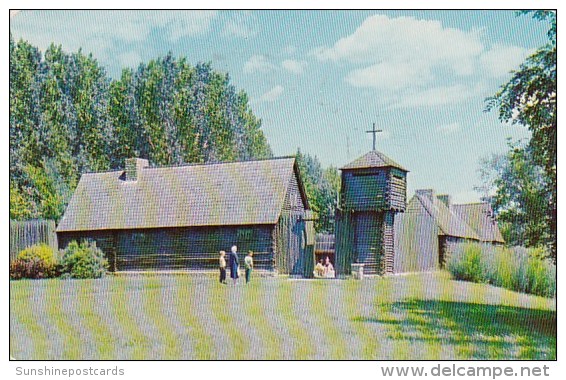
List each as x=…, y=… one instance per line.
x=222, y=263
x=249, y=264
x=319, y=269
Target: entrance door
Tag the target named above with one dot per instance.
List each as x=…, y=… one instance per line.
x=368, y=241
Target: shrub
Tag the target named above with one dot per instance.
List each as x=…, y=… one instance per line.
x=84, y=260
x=37, y=261
x=465, y=263
x=517, y=268
x=540, y=275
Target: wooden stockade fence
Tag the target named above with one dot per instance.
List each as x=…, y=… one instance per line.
x=27, y=233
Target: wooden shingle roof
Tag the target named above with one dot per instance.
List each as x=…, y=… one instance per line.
x=449, y=222
x=373, y=159
x=238, y=193
x=479, y=216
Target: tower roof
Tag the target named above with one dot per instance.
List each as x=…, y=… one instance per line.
x=373, y=159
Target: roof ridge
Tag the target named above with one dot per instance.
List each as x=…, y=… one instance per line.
x=184, y=165
x=470, y=204
x=104, y=171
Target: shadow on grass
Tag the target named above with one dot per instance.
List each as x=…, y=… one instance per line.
x=475, y=330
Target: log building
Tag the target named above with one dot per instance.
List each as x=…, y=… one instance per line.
x=178, y=218
x=373, y=191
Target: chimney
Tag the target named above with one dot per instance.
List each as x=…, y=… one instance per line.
x=446, y=199
x=134, y=167
x=426, y=193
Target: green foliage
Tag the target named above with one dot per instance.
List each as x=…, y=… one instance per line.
x=20, y=207
x=67, y=117
x=529, y=99
x=171, y=112
x=520, y=199
x=37, y=261
x=466, y=264
x=322, y=187
x=519, y=269
x=84, y=260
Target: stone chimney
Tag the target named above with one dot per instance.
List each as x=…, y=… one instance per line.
x=426, y=193
x=446, y=199
x=134, y=167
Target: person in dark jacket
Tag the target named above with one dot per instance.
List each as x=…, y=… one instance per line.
x=234, y=264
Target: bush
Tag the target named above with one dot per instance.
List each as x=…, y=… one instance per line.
x=37, y=261
x=465, y=263
x=84, y=260
x=518, y=268
x=540, y=275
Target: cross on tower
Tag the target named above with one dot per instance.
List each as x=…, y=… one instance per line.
x=375, y=132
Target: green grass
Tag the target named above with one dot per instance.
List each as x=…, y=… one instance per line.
x=56, y=313
x=302, y=346
x=219, y=299
x=256, y=310
x=423, y=316
x=103, y=340
x=185, y=304
x=22, y=311
x=119, y=299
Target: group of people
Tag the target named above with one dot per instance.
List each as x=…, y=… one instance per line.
x=324, y=269
x=234, y=264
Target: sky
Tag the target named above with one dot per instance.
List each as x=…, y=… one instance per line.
x=320, y=79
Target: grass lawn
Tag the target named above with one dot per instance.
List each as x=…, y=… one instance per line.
x=421, y=316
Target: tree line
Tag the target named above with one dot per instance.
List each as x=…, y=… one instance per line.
x=68, y=117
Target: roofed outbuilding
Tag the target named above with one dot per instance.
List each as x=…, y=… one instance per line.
x=431, y=226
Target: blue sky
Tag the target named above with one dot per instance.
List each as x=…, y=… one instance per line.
x=319, y=79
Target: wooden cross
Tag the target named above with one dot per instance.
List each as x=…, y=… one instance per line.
x=375, y=132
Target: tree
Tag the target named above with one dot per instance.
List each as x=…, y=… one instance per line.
x=67, y=117
x=529, y=99
x=322, y=187
x=516, y=189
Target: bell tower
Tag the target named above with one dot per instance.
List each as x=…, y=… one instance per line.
x=373, y=190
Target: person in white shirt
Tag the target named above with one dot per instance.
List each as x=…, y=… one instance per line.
x=329, y=269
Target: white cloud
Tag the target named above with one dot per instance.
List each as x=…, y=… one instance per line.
x=240, y=24
x=272, y=94
x=182, y=24
x=258, y=63
x=296, y=67
x=389, y=76
x=449, y=128
x=404, y=39
x=439, y=96
x=500, y=59
x=419, y=58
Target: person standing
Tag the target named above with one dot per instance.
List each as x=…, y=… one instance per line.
x=329, y=269
x=249, y=264
x=222, y=263
x=234, y=264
